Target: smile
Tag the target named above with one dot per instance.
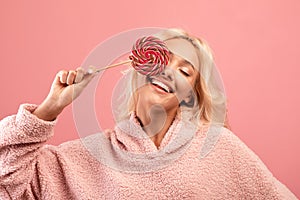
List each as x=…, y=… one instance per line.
x=161, y=85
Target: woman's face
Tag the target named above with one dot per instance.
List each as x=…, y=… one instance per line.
x=168, y=89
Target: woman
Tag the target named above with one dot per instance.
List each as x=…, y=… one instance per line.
x=168, y=144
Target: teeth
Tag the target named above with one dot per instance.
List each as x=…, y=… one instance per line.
x=160, y=84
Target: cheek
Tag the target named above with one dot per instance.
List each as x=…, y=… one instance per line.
x=142, y=91
x=184, y=87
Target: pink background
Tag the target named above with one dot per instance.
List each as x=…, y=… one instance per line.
x=256, y=45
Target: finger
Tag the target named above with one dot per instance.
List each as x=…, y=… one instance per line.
x=79, y=74
x=63, y=76
x=71, y=77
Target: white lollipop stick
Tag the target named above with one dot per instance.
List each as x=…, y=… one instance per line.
x=90, y=71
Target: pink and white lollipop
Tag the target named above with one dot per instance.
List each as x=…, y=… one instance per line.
x=149, y=56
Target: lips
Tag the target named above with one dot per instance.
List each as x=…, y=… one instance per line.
x=161, y=84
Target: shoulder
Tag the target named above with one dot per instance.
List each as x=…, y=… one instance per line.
x=239, y=150
x=227, y=136
x=230, y=141
x=220, y=138
x=222, y=142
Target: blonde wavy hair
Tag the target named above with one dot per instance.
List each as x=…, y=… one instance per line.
x=209, y=98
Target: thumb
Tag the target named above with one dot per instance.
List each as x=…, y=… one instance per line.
x=88, y=76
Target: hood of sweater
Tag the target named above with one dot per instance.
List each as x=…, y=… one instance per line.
x=129, y=148
x=130, y=136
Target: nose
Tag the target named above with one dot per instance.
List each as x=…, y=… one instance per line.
x=168, y=74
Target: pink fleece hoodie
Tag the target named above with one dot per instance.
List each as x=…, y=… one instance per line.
x=30, y=169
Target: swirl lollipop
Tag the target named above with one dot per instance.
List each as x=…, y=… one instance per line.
x=149, y=56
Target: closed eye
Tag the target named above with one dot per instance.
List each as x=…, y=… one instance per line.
x=185, y=73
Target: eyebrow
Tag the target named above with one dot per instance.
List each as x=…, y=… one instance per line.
x=183, y=61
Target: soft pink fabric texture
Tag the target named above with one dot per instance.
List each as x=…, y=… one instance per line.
x=31, y=169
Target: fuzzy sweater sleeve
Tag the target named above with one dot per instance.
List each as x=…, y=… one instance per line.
x=254, y=179
x=21, y=136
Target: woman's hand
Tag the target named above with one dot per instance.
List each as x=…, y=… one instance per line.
x=66, y=87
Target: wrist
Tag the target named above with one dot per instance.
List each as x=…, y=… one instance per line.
x=47, y=111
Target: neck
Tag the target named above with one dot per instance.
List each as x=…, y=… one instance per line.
x=156, y=122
